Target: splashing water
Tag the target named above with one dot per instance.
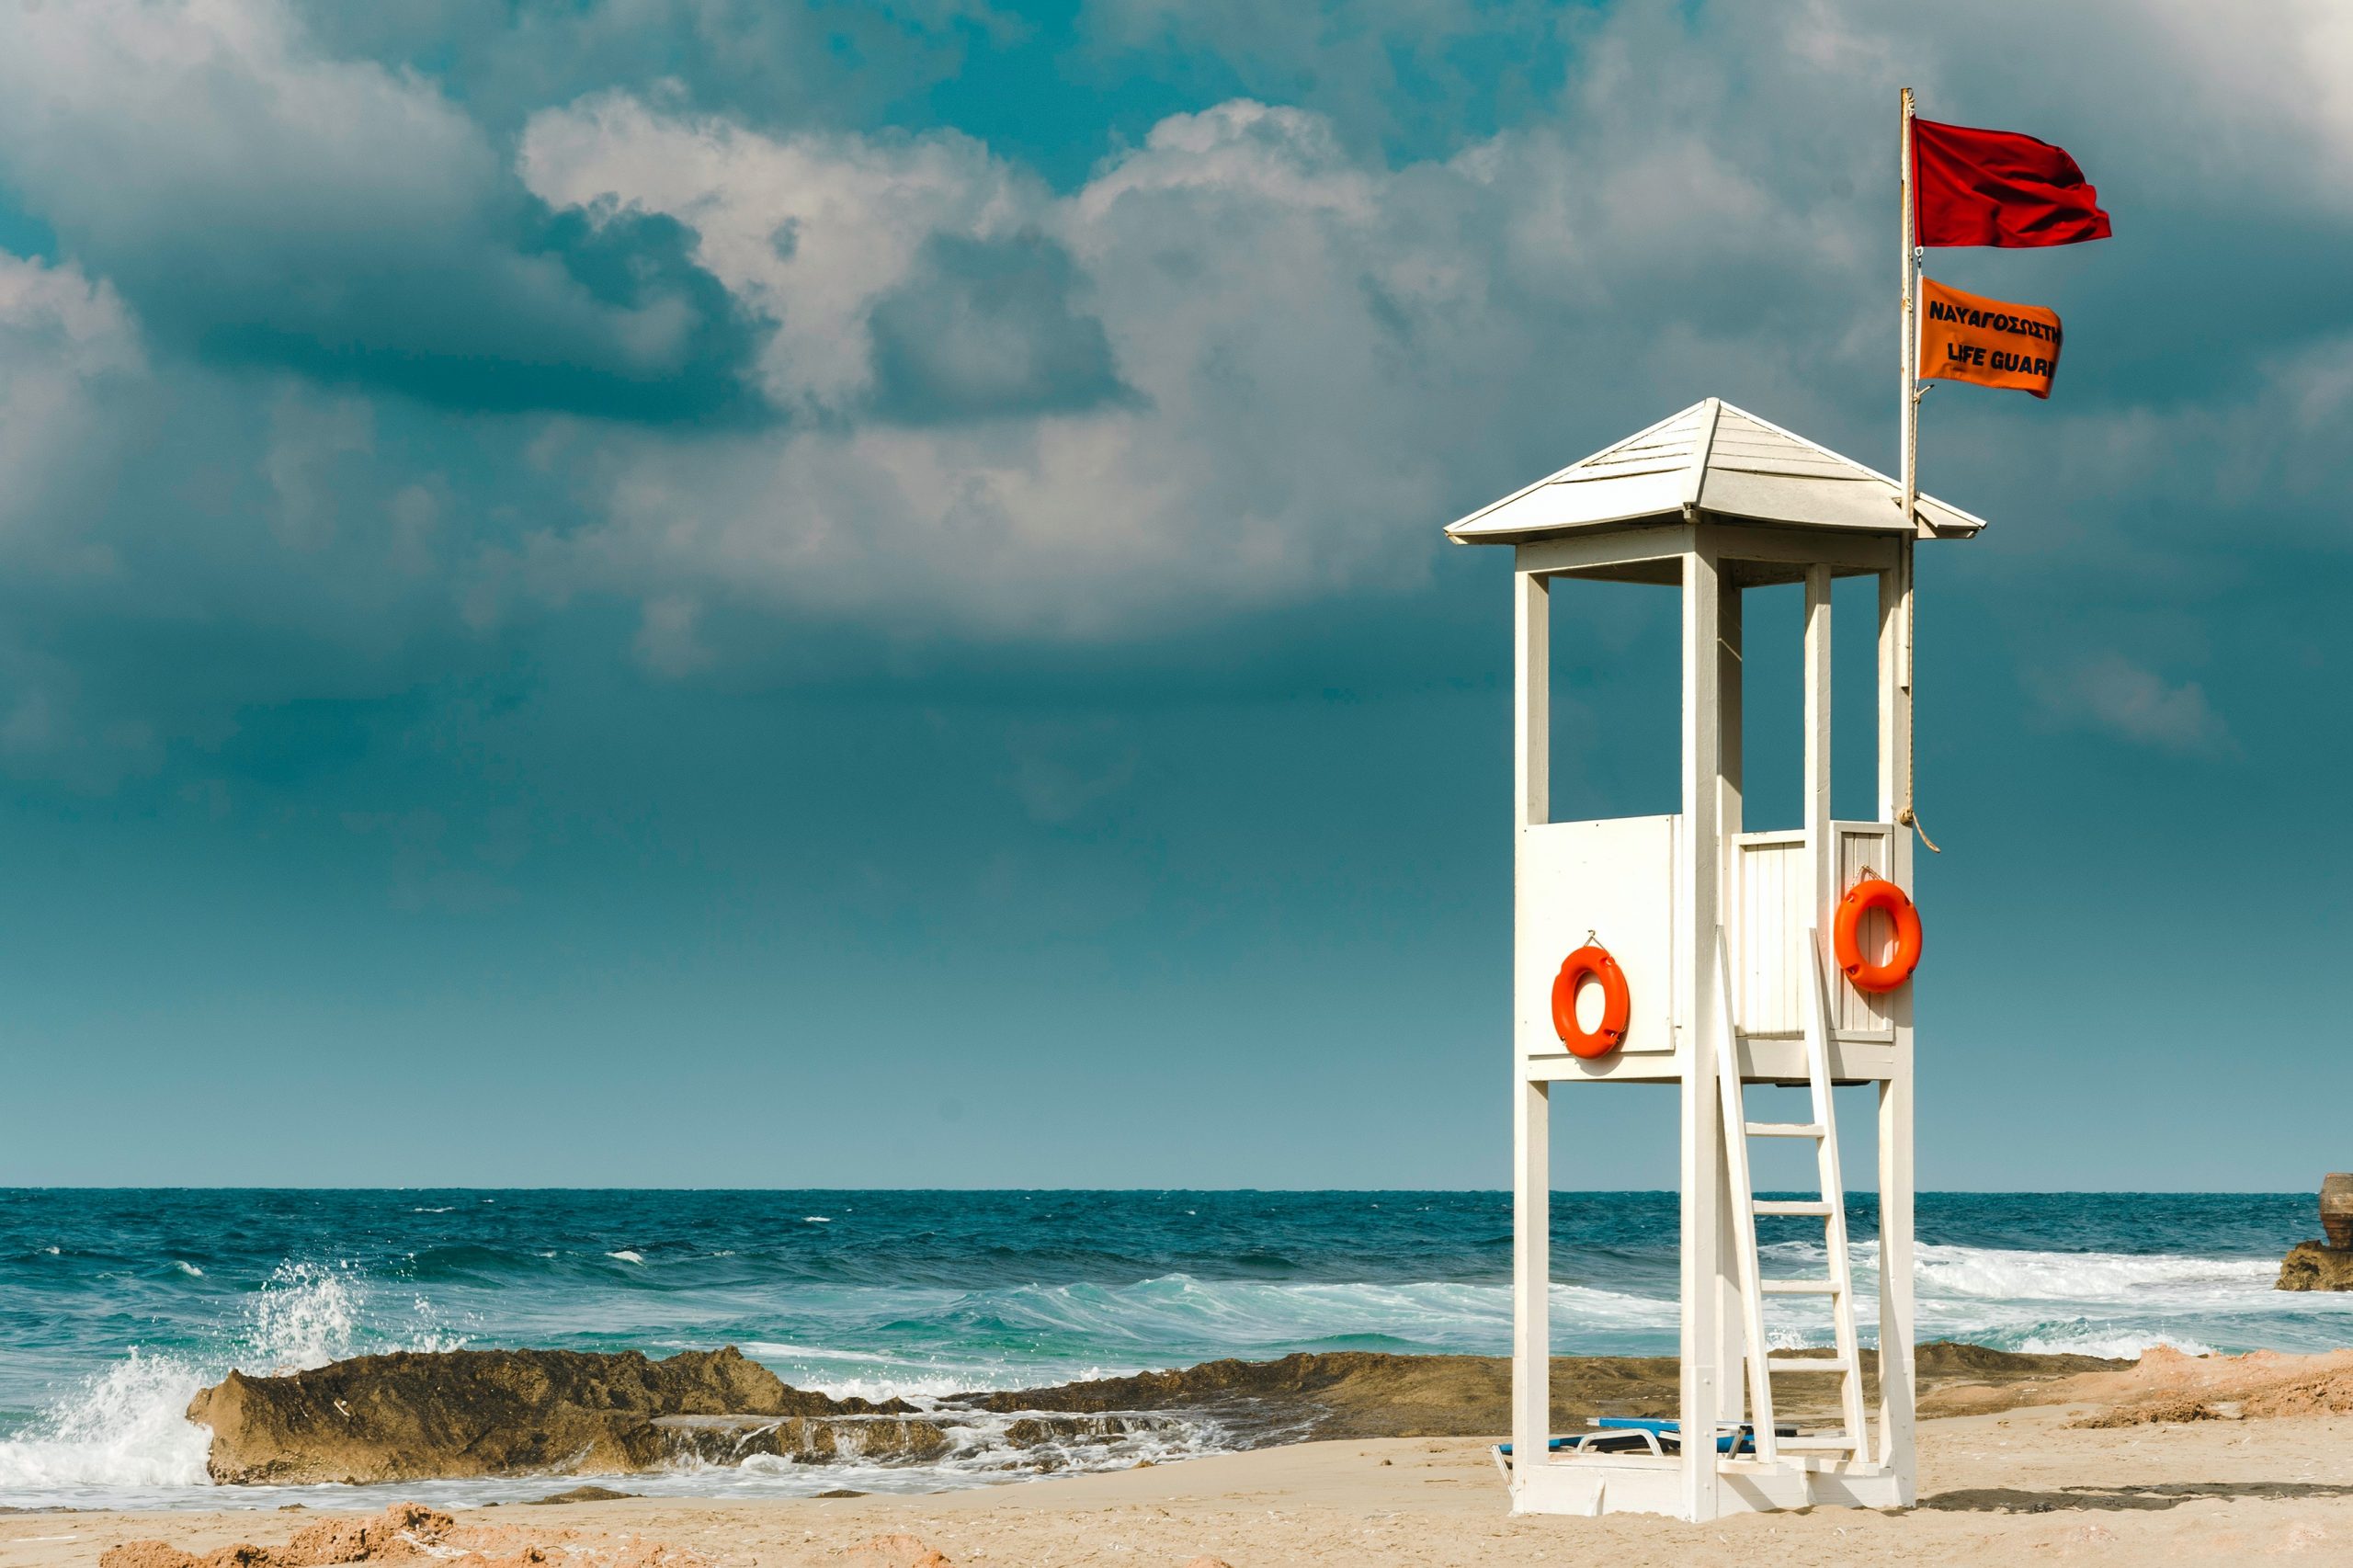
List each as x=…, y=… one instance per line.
x=305, y=1315
x=126, y=1426
x=125, y=1430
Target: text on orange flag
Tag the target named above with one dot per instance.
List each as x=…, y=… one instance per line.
x=1966, y=338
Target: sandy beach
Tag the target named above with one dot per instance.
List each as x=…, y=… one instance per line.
x=2009, y=1488
x=2174, y=1460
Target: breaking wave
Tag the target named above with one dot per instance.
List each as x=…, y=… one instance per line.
x=124, y=1429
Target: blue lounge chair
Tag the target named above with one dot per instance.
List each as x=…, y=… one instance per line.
x=1656, y=1430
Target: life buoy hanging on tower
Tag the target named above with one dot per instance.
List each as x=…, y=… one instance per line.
x=1845, y=935
x=1594, y=960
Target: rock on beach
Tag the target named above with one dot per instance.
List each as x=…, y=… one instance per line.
x=2316, y=1266
x=457, y=1414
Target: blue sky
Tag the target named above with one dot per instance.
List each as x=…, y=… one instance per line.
x=730, y=594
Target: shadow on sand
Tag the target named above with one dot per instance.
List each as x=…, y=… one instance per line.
x=2016, y=1500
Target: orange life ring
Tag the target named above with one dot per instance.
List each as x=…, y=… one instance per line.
x=1594, y=960
x=1876, y=892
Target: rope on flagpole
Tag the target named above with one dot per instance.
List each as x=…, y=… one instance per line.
x=1908, y=816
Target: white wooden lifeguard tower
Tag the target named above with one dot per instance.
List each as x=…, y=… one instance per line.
x=1721, y=941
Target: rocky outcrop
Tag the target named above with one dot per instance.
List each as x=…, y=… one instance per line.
x=478, y=1413
x=1358, y=1393
x=473, y=1413
x=2316, y=1266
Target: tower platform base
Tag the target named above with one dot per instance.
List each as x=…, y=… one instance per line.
x=1592, y=1485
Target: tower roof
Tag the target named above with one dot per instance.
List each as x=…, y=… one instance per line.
x=1713, y=458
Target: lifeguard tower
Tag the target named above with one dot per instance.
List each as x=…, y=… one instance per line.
x=1681, y=949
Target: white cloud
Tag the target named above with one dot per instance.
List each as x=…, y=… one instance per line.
x=666, y=641
x=62, y=338
x=1322, y=351
x=246, y=189
x=2118, y=697
x=812, y=232
x=1320, y=348
x=308, y=435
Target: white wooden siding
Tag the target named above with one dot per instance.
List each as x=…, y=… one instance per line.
x=1769, y=918
x=1615, y=878
x=1862, y=845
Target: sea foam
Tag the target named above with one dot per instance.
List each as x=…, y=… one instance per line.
x=125, y=1428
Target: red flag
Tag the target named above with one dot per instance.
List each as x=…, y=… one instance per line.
x=1996, y=188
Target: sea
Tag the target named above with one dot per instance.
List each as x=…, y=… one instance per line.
x=117, y=1305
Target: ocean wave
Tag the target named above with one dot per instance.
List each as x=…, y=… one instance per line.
x=927, y=1342
x=2119, y=1345
x=123, y=1427
x=1993, y=1275
x=126, y=1426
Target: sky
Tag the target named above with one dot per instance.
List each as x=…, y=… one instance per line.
x=685, y=592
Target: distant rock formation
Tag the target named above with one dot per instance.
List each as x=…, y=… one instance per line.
x=2316, y=1266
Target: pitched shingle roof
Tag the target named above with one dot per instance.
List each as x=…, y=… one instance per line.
x=1718, y=459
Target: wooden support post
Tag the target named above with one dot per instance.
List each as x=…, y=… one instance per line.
x=1897, y=1392
x=1895, y=686
x=1531, y=1351
x=1699, y=872
x=1821, y=851
x=1531, y=1343
x=1732, y=1389
x=1728, y=700
x=1532, y=709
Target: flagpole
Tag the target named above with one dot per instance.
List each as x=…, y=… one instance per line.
x=1910, y=458
x=1910, y=410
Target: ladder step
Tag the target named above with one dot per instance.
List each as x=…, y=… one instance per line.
x=1807, y=1364
x=1785, y=1130
x=1827, y=1442
x=1814, y=1206
x=1798, y=1286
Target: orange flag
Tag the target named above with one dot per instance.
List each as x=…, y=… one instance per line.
x=1966, y=338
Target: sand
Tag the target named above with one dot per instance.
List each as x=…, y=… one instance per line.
x=2032, y=1484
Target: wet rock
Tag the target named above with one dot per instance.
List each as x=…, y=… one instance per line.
x=585, y=1494
x=1358, y=1393
x=420, y=1415
x=2316, y=1266
x=1031, y=1431
x=2172, y=1411
x=730, y=1439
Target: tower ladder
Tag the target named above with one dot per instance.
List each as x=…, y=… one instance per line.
x=1837, y=1284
